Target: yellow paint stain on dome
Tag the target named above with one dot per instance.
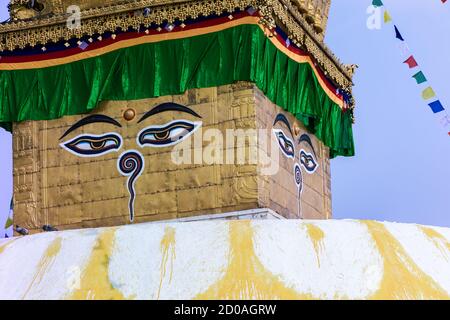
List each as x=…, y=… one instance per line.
x=95, y=282
x=438, y=240
x=402, y=278
x=6, y=244
x=3, y=247
x=316, y=235
x=45, y=263
x=167, y=249
x=245, y=276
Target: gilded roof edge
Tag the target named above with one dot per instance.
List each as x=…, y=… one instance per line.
x=42, y=30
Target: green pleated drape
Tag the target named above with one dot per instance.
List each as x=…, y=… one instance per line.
x=241, y=53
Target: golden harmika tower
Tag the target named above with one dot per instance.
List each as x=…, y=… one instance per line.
x=131, y=111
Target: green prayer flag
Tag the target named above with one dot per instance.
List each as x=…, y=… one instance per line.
x=377, y=3
x=428, y=93
x=420, y=77
x=8, y=223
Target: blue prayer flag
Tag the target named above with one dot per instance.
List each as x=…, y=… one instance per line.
x=398, y=34
x=436, y=106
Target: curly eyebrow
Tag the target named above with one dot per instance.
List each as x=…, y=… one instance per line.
x=305, y=138
x=168, y=106
x=93, y=118
x=282, y=118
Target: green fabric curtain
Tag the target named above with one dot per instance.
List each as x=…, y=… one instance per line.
x=241, y=53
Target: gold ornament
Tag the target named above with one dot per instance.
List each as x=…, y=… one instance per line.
x=296, y=129
x=129, y=114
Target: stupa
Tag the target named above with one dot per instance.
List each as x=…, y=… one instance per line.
x=188, y=146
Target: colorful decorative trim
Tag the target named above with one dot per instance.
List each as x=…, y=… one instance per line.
x=44, y=30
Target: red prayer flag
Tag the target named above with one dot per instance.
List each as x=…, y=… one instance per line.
x=412, y=63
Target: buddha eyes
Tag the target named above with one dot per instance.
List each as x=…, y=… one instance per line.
x=93, y=145
x=167, y=135
x=285, y=144
x=308, y=161
x=88, y=145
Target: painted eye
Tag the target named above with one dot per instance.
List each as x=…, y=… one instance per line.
x=308, y=161
x=93, y=145
x=167, y=135
x=285, y=144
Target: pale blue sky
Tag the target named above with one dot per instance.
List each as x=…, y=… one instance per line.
x=401, y=169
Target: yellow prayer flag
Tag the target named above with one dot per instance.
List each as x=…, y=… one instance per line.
x=387, y=17
x=428, y=93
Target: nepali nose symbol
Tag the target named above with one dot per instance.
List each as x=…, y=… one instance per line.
x=298, y=177
x=131, y=164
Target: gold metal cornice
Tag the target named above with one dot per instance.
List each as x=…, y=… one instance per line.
x=304, y=35
x=20, y=34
